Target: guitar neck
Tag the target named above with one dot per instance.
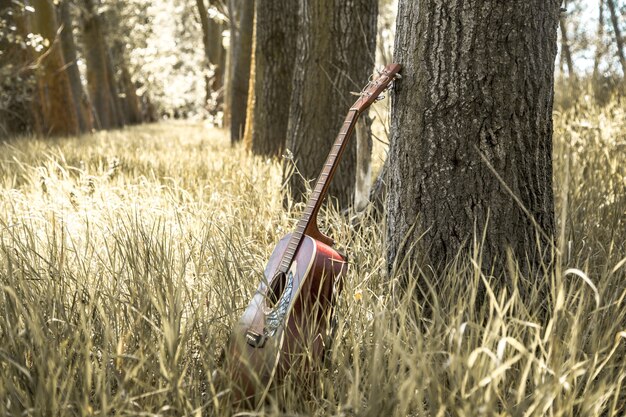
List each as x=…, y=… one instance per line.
x=321, y=187
x=368, y=96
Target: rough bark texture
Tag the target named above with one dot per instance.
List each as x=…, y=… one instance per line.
x=478, y=79
x=275, y=52
x=96, y=56
x=55, y=93
x=85, y=119
x=618, y=34
x=336, y=47
x=241, y=71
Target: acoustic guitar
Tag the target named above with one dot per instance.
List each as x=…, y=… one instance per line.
x=287, y=321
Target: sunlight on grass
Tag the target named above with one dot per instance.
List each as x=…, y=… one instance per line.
x=127, y=256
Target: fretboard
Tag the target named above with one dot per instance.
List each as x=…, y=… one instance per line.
x=321, y=188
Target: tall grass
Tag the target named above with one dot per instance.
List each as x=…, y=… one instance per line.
x=126, y=258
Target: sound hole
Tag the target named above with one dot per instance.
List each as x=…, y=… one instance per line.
x=276, y=289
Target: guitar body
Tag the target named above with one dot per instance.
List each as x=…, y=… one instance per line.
x=286, y=323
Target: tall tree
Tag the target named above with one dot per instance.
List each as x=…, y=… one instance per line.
x=619, y=41
x=336, y=46
x=215, y=57
x=599, y=44
x=274, y=55
x=566, y=51
x=471, y=146
x=83, y=107
x=98, y=67
x=55, y=93
x=241, y=71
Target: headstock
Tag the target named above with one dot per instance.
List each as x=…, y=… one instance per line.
x=374, y=88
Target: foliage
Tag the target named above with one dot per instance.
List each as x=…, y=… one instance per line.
x=126, y=258
x=17, y=81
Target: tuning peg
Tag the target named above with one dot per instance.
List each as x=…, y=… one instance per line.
x=380, y=97
x=398, y=76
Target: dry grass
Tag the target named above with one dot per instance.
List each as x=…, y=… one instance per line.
x=126, y=257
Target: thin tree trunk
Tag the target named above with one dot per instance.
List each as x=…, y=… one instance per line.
x=599, y=44
x=133, y=109
x=55, y=93
x=618, y=35
x=85, y=120
x=116, y=100
x=336, y=47
x=471, y=145
x=97, y=69
x=214, y=56
x=275, y=52
x=241, y=71
x=565, y=49
x=364, y=145
x=234, y=11
x=249, y=129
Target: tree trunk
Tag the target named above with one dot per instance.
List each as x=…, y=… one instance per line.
x=275, y=51
x=364, y=145
x=599, y=44
x=55, y=93
x=85, y=119
x=618, y=35
x=233, y=7
x=565, y=49
x=116, y=100
x=241, y=71
x=97, y=69
x=247, y=136
x=471, y=146
x=133, y=109
x=336, y=47
x=215, y=59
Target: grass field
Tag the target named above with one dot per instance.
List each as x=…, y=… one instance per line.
x=126, y=257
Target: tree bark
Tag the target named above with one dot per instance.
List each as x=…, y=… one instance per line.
x=55, y=93
x=132, y=106
x=336, y=47
x=471, y=146
x=599, y=44
x=565, y=48
x=215, y=58
x=364, y=145
x=233, y=7
x=618, y=35
x=81, y=102
x=241, y=71
x=98, y=77
x=116, y=100
x=275, y=51
x=247, y=136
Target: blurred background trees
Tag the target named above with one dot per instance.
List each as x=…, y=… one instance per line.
x=70, y=66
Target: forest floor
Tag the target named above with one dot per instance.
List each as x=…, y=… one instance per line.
x=127, y=256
